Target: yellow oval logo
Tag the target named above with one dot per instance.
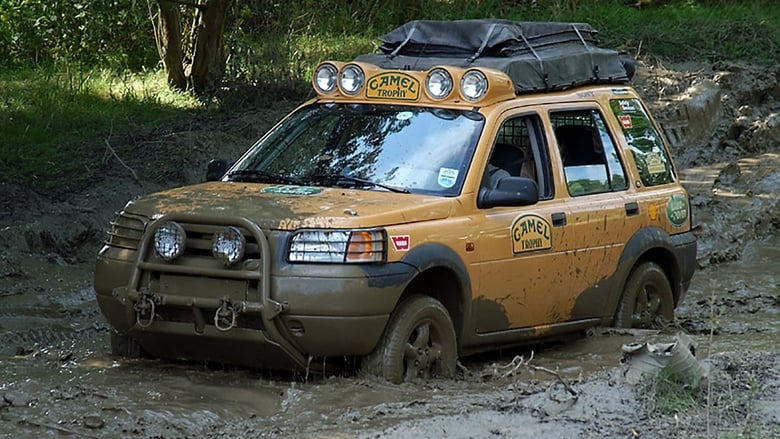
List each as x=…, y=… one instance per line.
x=531, y=232
x=393, y=85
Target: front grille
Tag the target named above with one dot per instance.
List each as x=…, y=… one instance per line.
x=199, y=238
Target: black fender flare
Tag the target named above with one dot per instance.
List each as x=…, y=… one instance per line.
x=435, y=255
x=648, y=243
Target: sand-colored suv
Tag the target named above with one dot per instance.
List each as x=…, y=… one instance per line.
x=478, y=184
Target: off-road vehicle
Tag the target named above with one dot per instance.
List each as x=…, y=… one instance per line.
x=477, y=184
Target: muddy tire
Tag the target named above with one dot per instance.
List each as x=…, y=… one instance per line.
x=122, y=345
x=418, y=342
x=647, y=298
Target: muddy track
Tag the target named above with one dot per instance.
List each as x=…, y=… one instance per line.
x=57, y=378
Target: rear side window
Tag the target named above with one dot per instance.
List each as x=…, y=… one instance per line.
x=652, y=159
x=590, y=162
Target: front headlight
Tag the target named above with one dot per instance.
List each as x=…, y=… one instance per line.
x=338, y=246
x=169, y=240
x=228, y=245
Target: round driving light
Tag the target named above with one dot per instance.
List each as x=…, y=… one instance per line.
x=474, y=85
x=169, y=240
x=438, y=83
x=228, y=245
x=351, y=79
x=325, y=78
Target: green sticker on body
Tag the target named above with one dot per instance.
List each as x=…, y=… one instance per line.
x=677, y=210
x=291, y=190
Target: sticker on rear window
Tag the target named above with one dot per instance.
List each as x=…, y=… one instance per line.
x=655, y=165
x=447, y=177
x=626, y=106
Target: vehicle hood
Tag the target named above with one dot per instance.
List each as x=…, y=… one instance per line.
x=283, y=207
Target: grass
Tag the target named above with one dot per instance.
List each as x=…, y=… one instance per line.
x=728, y=401
x=670, y=394
x=50, y=118
x=53, y=119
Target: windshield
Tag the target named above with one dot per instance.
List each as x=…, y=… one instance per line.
x=373, y=147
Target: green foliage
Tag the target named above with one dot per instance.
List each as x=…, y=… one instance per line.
x=670, y=393
x=117, y=33
x=54, y=124
x=682, y=30
x=58, y=104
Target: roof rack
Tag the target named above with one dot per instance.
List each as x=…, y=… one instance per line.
x=537, y=56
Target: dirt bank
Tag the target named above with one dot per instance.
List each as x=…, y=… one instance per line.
x=57, y=378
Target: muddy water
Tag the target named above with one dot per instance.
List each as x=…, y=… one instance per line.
x=57, y=378
x=739, y=302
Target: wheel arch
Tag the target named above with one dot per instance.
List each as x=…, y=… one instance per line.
x=650, y=244
x=666, y=260
x=442, y=275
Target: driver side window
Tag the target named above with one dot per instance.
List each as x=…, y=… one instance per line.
x=518, y=152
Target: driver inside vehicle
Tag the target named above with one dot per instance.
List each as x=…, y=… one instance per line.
x=508, y=160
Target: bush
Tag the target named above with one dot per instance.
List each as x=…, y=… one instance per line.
x=113, y=33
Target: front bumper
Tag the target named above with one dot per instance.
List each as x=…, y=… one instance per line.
x=685, y=248
x=244, y=316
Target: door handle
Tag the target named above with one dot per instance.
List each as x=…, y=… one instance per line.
x=558, y=219
x=632, y=209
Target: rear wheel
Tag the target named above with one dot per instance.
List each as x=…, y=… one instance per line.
x=418, y=342
x=647, y=298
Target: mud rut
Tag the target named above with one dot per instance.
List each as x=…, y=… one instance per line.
x=57, y=378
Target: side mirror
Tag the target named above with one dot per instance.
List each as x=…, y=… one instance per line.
x=510, y=191
x=217, y=169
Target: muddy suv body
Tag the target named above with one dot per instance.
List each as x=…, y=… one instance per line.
x=406, y=216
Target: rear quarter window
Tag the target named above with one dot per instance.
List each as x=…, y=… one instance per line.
x=591, y=164
x=652, y=160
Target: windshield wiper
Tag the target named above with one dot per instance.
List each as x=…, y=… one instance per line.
x=260, y=176
x=342, y=180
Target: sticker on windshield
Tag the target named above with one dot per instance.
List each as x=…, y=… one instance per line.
x=404, y=115
x=291, y=190
x=447, y=177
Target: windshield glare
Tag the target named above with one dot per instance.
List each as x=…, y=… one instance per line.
x=421, y=150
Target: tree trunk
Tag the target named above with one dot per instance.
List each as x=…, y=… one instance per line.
x=170, y=44
x=208, y=63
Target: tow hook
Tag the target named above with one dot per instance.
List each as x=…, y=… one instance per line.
x=144, y=310
x=225, y=316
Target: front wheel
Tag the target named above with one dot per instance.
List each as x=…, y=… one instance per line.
x=647, y=298
x=418, y=342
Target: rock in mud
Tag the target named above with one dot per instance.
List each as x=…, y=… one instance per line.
x=18, y=399
x=94, y=422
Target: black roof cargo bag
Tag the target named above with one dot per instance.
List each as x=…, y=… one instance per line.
x=537, y=56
